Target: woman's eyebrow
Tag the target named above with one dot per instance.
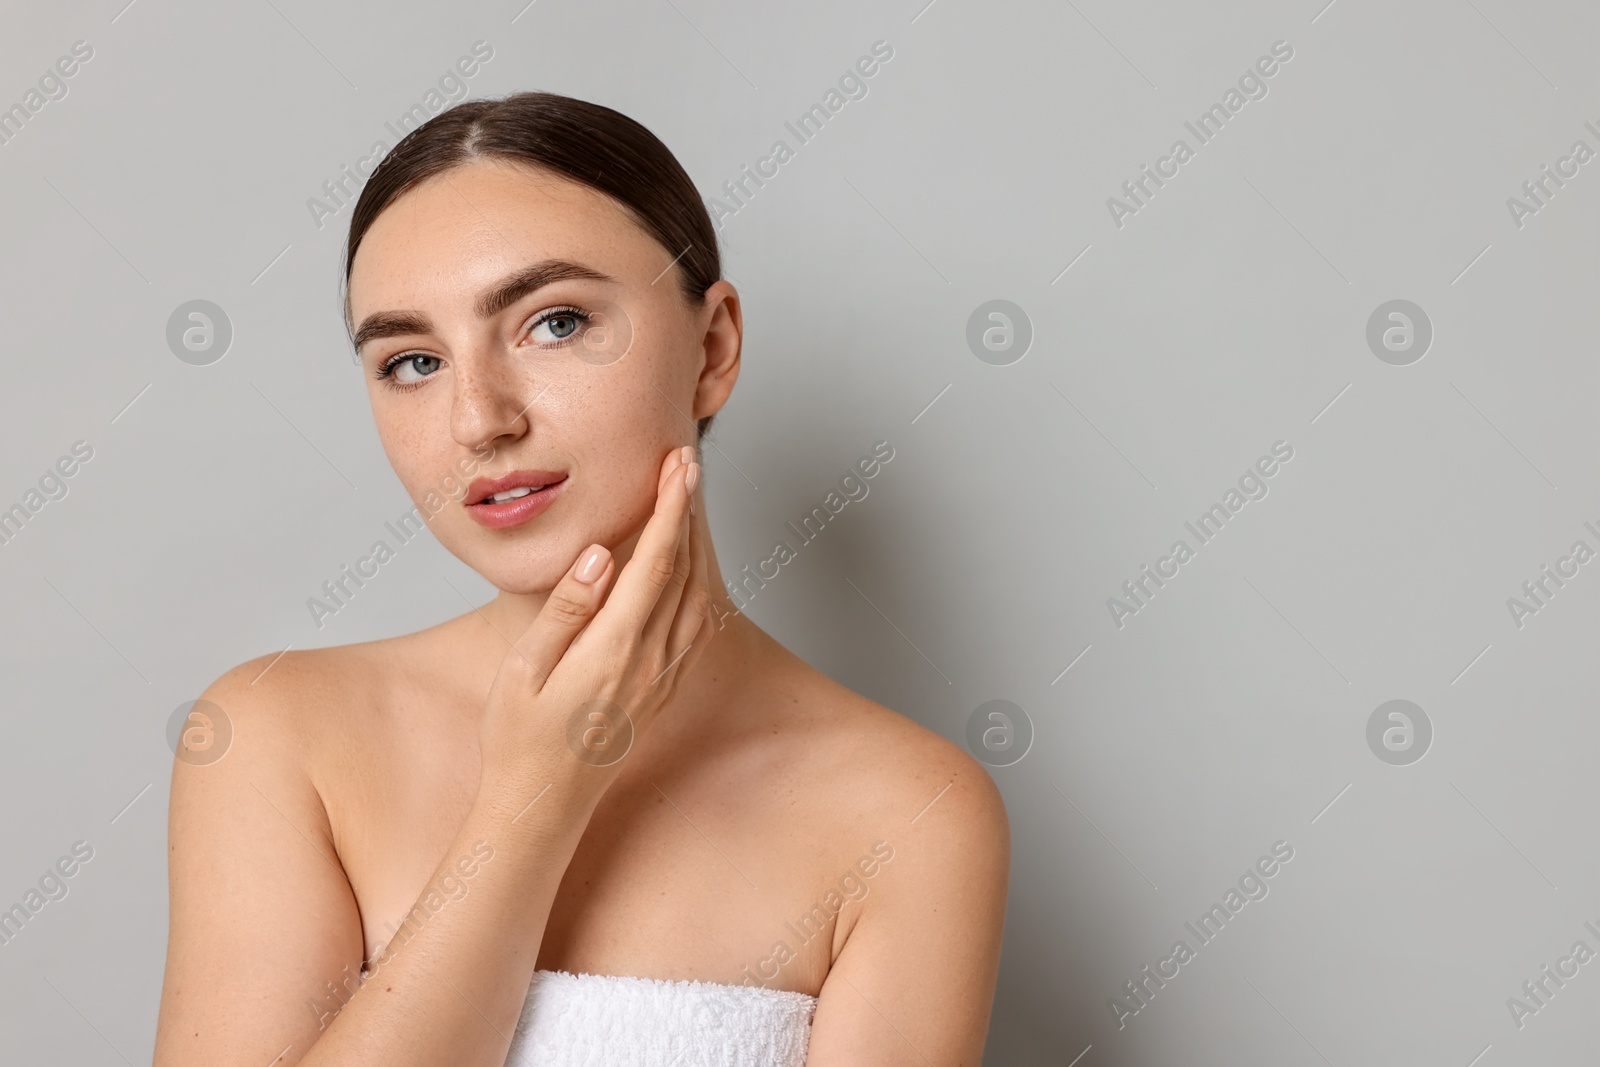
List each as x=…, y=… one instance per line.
x=515, y=286
x=491, y=301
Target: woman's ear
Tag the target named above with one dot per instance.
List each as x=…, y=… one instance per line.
x=719, y=348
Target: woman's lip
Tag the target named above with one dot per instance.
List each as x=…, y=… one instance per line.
x=518, y=511
x=483, y=488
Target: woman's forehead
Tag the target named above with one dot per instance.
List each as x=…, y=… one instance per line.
x=470, y=225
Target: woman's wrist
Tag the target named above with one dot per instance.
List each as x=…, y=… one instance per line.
x=541, y=804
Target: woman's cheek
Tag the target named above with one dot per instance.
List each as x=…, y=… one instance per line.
x=406, y=448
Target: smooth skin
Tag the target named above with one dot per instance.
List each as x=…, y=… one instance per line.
x=365, y=781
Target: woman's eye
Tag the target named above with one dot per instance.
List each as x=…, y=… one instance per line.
x=414, y=368
x=556, y=327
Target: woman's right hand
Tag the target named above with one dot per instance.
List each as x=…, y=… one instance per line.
x=589, y=676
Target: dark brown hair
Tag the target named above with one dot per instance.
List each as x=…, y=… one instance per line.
x=588, y=143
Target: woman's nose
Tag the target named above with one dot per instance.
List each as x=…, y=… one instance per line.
x=494, y=398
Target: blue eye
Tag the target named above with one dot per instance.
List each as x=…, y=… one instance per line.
x=409, y=368
x=561, y=326
x=562, y=323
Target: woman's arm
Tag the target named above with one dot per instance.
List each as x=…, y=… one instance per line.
x=265, y=952
x=266, y=945
x=914, y=982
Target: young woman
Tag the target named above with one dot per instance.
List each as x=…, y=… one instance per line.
x=603, y=818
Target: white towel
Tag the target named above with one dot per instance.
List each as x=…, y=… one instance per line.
x=589, y=1020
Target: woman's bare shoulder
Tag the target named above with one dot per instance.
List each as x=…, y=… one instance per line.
x=891, y=769
x=296, y=696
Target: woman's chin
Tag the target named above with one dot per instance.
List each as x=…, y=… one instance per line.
x=520, y=581
x=532, y=564
x=530, y=574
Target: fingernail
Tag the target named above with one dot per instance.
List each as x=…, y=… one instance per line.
x=690, y=480
x=592, y=565
x=686, y=455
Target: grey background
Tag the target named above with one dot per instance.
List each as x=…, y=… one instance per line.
x=1228, y=314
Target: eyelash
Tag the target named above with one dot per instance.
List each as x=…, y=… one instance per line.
x=385, y=370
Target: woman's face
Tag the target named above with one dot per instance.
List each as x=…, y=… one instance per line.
x=519, y=327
